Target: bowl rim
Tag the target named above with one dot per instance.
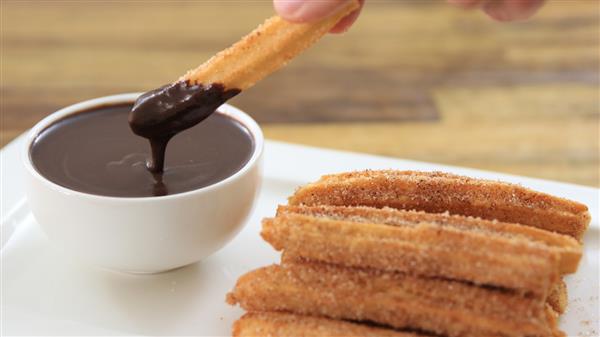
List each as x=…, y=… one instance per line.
x=227, y=109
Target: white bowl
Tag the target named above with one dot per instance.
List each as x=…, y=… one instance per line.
x=146, y=234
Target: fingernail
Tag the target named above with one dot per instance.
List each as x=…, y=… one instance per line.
x=497, y=11
x=289, y=9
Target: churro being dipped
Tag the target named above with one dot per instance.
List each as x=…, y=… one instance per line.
x=436, y=192
x=161, y=113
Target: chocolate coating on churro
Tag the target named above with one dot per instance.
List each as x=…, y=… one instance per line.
x=161, y=113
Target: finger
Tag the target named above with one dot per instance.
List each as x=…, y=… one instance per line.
x=346, y=22
x=512, y=10
x=306, y=10
x=468, y=4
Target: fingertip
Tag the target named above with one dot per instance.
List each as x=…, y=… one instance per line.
x=497, y=13
x=306, y=10
x=346, y=23
x=512, y=10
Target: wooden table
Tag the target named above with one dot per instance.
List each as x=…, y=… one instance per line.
x=413, y=79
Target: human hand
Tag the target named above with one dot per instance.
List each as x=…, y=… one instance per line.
x=306, y=10
x=503, y=10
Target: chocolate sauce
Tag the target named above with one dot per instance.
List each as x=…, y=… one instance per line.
x=160, y=114
x=95, y=152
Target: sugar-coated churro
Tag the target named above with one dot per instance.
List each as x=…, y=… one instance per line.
x=436, y=192
x=423, y=249
x=397, y=300
x=278, y=324
x=556, y=298
x=263, y=51
x=389, y=219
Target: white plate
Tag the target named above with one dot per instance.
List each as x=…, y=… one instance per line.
x=44, y=293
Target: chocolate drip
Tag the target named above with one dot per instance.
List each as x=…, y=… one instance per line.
x=161, y=113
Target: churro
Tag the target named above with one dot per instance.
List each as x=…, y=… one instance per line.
x=424, y=249
x=411, y=226
x=265, y=50
x=436, y=192
x=404, y=302
x=278, y=324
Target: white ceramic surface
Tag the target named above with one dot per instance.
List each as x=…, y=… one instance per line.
x=142, y=235
x=44, y=293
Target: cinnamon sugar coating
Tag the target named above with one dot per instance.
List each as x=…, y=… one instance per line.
x=558, y=297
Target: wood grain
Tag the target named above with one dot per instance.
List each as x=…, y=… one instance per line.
x=412, y=79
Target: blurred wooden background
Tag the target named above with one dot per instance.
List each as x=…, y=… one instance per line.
x=412, y=79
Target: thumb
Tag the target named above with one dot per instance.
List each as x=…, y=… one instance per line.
x=306, y=10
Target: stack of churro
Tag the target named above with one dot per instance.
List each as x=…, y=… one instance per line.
x=402, y=253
